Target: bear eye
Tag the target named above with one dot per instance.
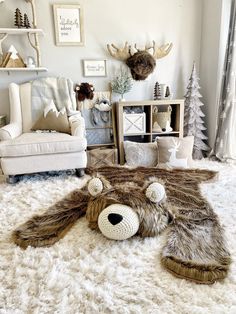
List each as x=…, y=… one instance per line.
x=155, y=192
x=95, y=186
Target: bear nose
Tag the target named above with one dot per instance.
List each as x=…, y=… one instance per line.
x=114, y=219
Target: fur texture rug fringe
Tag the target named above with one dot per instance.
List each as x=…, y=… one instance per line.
x=195, y=248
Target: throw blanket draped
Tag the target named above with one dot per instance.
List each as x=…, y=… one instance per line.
x=44, y=90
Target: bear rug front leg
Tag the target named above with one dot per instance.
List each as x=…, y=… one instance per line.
x=48, y=228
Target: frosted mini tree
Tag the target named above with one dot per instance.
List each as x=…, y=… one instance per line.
x=122, y=83
x=193, y=122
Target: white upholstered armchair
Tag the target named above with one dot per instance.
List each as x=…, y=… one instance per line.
x=23, y=151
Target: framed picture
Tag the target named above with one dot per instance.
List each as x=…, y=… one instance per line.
x=69, y=30
x=95, y=67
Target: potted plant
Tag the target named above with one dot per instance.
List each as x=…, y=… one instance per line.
x=122, y=83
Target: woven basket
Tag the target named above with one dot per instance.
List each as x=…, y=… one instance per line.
x=161, y=119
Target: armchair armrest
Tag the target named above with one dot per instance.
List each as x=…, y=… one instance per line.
x=10, y=131
x=77, y=125
x=14, y=128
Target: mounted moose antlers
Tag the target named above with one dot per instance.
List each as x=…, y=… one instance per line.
x=142, y=62
x=120, y=54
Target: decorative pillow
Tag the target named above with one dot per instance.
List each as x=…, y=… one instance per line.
x=175, y=152
x=140, y=154
x=53, y=120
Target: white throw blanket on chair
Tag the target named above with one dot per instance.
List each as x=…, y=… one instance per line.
x=58, y=89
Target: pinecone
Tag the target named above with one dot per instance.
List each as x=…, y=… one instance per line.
x=26, y=21
x=18, y=18
x=157, y=91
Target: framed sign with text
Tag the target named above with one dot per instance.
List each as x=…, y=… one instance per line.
x=95, y=67
x=68, y=20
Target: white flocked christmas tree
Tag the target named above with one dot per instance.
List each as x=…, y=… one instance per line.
x=193, y=116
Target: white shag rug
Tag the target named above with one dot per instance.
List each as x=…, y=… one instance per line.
x=86, y=273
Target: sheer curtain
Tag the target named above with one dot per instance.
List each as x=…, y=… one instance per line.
x=225, y=144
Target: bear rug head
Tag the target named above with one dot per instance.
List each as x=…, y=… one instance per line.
x=119, y=212
x=121, y=203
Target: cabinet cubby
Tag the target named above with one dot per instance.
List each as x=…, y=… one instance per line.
x=149, y=135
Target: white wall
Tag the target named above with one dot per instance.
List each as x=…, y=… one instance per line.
x=215, y=21
x=106, y=21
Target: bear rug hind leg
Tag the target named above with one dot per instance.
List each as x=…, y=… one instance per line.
x=195, y=248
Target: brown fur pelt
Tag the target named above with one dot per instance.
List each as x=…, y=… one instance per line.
x=141, y=64
x=195, y=247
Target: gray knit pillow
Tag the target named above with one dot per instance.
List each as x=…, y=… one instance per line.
x=140, y=154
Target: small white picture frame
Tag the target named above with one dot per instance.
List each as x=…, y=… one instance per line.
x=69, y=29
x=95, y=68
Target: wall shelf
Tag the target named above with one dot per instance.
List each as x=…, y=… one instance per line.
x=33, y=37
x=23, y=69
x=9, y=70
x=21, y=31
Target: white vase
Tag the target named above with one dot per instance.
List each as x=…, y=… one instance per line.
x=122, y=99
x=163, y=90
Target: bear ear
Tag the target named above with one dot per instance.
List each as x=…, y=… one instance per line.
x=155, y=192
x=97, y=185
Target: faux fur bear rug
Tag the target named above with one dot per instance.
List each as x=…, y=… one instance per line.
x=195, y=248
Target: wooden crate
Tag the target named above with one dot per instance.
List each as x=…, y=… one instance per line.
x=100, y=157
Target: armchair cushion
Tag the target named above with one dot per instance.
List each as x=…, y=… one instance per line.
x=29, y=144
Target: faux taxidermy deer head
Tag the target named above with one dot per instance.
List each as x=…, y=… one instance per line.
x=142, y=62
